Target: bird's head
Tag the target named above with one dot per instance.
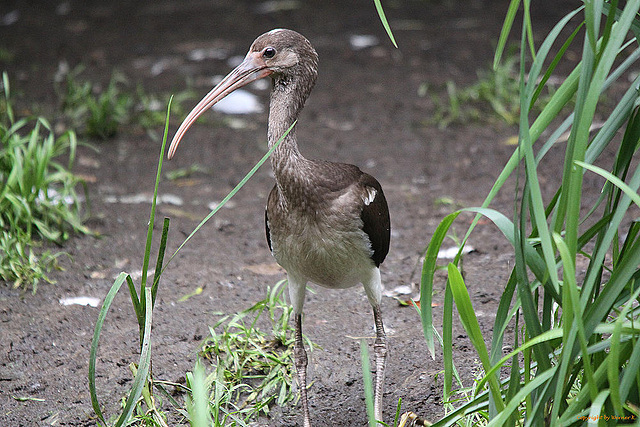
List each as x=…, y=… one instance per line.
x=280, y=53
x=285, y=52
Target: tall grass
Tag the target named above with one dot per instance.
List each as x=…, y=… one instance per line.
x=576, y=344
x=143, y=302
x=38, y=198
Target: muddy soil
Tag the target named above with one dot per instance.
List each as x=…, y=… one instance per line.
x=365, y=110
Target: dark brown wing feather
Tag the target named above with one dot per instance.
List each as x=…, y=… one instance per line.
x=376, y=221
x=270, y=201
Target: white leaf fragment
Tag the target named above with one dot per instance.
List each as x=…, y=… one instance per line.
x=90, y=301
x=450, y=253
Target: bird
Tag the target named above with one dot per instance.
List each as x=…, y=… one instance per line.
x=326, y=223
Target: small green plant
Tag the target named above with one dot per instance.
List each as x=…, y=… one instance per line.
x=21, y=265
x=494, y=97
x=252, y=369
x=255, y=366
x=198, y=400
x=101, y=113
x=140, y=403
x=92, y=111
x=38, y=199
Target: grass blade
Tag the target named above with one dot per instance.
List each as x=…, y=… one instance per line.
x=160, y=259
x=5, y=85
x=384, y=21
x=94, y=343
x=573, y=316
x=471, y=325
x=147, y=251
x=144, y=365
x=447, y=342
x=426, y=280
x=137, y=306
x=596, y=408
x=635, y=197
x=506, y=29
x=368, y=383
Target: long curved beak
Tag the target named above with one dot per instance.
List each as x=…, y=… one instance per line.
x=252, y=68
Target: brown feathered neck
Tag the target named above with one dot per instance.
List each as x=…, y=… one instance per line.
x=290, y=89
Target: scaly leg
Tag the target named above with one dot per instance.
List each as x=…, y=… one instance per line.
x=373, y=288
x=380, y=349
x=301, y=368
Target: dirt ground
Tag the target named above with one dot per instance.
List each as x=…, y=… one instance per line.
x=364, y=110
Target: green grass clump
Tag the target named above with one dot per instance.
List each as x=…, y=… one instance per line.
x=254, y=366
x=100, y=113
x=493, y=98
x=38, y=198
x=92, y=111
x=576, y=340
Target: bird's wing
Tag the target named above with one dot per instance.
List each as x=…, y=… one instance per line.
x=374, y=212
x=375, y=217
x=336, y=177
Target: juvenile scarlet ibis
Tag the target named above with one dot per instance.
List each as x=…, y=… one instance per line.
x=327, y=223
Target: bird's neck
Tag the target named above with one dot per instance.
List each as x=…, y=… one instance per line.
x=287, y=100
x=288, y=96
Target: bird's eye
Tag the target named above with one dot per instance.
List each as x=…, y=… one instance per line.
x=269, y=52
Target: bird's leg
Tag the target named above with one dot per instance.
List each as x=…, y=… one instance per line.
x=301, y=368
x=380, y=349
x=373, y=288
